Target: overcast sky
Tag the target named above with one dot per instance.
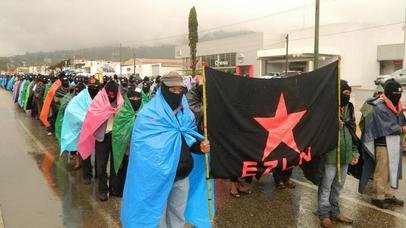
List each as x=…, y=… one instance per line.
x=47, y=25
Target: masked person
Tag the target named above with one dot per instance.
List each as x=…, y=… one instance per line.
x=146, y=92
x=56, y=102
x=73, y=118
x=330, y=187
x=121, y=135
x=38, y=93
x=46, y=111
x=96, y=132
x=157, y=184
x=381, y=136
x=123, y=86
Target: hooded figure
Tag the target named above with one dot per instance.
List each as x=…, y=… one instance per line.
x=157, y=184
x=96, y=132
x=146, y=92
x=72, y=124
x=123, y=86
x=381, y=138
x=121, y=135
x=45, y=111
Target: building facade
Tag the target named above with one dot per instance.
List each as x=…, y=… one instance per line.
x=236, y=55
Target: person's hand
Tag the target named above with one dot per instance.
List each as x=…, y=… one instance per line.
x=354, y=161
x=403, y=129
x=205, y=146
x=341, y=123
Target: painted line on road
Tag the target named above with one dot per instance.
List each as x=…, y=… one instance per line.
x=43, y=149
x=356, y=201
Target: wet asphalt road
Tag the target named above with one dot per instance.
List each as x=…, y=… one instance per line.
x=39, y=188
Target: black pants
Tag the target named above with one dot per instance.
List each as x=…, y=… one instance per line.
x=117, y=180
x=282, y=176
x=103, y=152
x=86, y=168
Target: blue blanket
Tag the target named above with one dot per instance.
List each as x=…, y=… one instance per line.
x=73, y=119
x=154, y=156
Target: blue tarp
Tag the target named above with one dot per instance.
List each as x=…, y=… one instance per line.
x=154, y=156
x=10, y=84
x=73, y=119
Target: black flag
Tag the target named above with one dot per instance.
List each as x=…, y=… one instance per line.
x=259, y=125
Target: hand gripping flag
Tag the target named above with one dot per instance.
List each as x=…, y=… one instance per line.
x=47, y=103
x=99, y=111
x=259, y=125
x=154, y=157
x=73, y=120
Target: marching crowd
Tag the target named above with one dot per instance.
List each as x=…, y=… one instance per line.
x=104, y=116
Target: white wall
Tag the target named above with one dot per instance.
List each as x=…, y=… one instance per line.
x=358, y=49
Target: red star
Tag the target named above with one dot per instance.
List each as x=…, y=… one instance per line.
x=280, y=128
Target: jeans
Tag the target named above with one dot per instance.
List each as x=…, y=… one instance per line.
x=173, y=214
x=329, y=191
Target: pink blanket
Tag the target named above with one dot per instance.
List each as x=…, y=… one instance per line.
x=99, y=111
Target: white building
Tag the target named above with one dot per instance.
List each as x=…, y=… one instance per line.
x=365, y=50
x=237, y=54
x=151, y=67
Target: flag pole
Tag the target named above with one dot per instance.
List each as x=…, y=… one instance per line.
x=206, y=155
x=338, y=117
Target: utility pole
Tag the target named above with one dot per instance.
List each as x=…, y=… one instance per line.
x=120, y=59
x=316, y=36
x=287, y=54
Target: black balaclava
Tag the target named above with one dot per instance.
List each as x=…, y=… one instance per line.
x=124, y=82
x=146, y=85
x=135, y=99
x=390, y=87
x=173, y=99
x=105, y=80
x=79, y=87
x=345, y=99
x=111, y=89
x=76, y=80
x=65, y=82
x=93, y=87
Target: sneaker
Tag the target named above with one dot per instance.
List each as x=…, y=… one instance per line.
x=394, y=201
x=49, y=133
x=380, y=203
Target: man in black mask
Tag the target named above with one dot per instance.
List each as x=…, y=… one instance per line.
x=60, y=93
x=103, y=146
x=93, y=87
x=123, y=86
x=381, y=136
x=329, y=187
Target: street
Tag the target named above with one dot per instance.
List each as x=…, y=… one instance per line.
x=39, y=188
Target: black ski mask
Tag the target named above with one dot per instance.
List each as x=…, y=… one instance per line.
x=93, y=87
x=135, y=99
x=65, y=82
x=146, y=87
x=344, y=98
x=112, y=90
x=393, y=91
x=173, y=99
x=124, y=82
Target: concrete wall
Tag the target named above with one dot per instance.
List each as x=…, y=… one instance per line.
x=358, y=49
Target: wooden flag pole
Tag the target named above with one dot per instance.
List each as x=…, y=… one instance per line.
x=206, y=155
x=339, y=120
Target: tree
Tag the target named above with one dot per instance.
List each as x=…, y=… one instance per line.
x=193, y=38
